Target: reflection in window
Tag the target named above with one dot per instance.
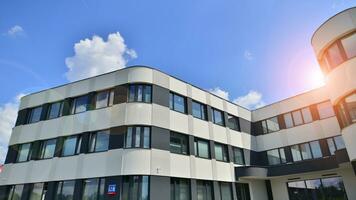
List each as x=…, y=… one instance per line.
x=177, y=102
x=225, y=191
x=349, y=44
x=93, y=189
x=24, y=152
x=35, y=115
x=65, y=190
x=243, y=191
x=99, y=141
x=239, y=157
x=135, y=188
x=204, y=190
x=199, y=110
x=335, y=143
x=48, y=148
x=233, y=122
x=296, y=153
x=178, y=143
x=305, y=151
x=346, y=109
x=104, y=99
x=334, y=55
x=316, y=150
x=38, y=191
x=297, y=118
x=296, y=190
x=273, y=157
x=325, y=110
x=79, y=104
x=180, y=189
x=217, y=117
x=55, y=110
x=71, y=145
x=334, y=188
x=15, y=192
x=140, y=93
x=138, y=137
x=288, y=120
x=221, y=152
x=201, y=148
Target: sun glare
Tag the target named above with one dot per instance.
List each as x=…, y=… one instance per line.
x=316, y=78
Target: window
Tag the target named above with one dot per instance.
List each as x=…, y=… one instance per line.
x=349, y=44
x=99, y=141
x=38, y=191
x=201, y=148
x=239, y=157
x=140, y=93
x=138, y=137
x=314, y=188
x=35, y=115
x=350, y=103
x=288, y=120
x=135, y=188
x=204, y=190
x=180, y=189
x=243, y=191
x=104, y=99
x=282, y=154
x=65, y=190
x=325, y=110
x=305, y=151
x=218, y=117
x=316, y=150
x=24, y=152
x=296, y=153
x=334, y=188
x=225, y=191
x=179, y=143
x=270, y=125
x=199, y=110
x=273, y=157
x=346, y=109
x=297, y=118
x=80, y=104
x=48, y=148
x=71, y=145
x=233, y=122
x=296, y=190
x=15, y=192
x=334, y=55
x=221, y=152
x=335, y=143
x=54, y=110
x=177, y=102
x=307, y=116
x=93, y=189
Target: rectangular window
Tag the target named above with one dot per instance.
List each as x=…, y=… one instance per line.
x=349, y=44
x=331, y=146
x=15, y=192
x=24, y=152
x=339, y=142
x=218, y=117
x=48, y=148
x=225, y=191
x=80, y=104
x=288, y=120
x=272, y=124
x=221, y=152
x=239, y=157
x=307, y=116
x=273, y=157
x=180, y=189
x=65, y=190
x=204, y=190
x=104, y=99
x=334, y=55
x=177, y=102
x=135, y=188
x=140, y=93
x=282, y=155
x=314, y=188
x=243, y=191
x=316, y=150
x=296, y=190
x=201, y=148
x=71, y=145
x=305, y=151
x=34, y=115
x=99, y=141
x=55, y=110
x=325, y=110
x=264, y=127
x=94, y=189
x=179, y=143
x=138, y=137
x=38, y=191
x=297, y=118
x=296, y=153
x=233, y=122
x=199, y=110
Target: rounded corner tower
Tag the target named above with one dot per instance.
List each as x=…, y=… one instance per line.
x=334, y=43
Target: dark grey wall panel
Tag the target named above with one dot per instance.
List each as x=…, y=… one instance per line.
x=231, y=153
x=120, y=94
x=160, y=138
x=160, y=96
x=66, y=106
x=245, y=125
x=212, y=149
x=191, y=145
x=26, y=191
x=160, y=188
x=248, y=159
x=44, y=111
x=269, y=189
x=21, y=117
x=234, y=195
x=324, y=147
x=189, y=106
x=91, y=101
x=281, y=122
x=117, y=137
x=354, y=166
x=208, y=110
x=4, y=190
x=288, y=154
x=51, y=190
x=78, y=189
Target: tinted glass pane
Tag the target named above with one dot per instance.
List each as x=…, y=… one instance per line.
x=334, y=188
x=331, y=145
x=146, y=137
x=272, y=124
x=350, y=103
x=144, y=188
x=288, y=120
x=132, y=93
x=233, y=122
x=35, y=115
x=54, y=110
x=48, y=148
x=24, y=151
x=179, y=143
x=204, y=190
x=297, y=190
x=179, y=103
x=296, y=153
x=65, y=190
x=238, y=156
x=325, y=110
x=297, y=118
x=242, y=191
x=137, y=137
x=139, y=93
x=334, y=56
x=81, y=104
x=314, y=189
x=273, y=157
x=102, y=141
x=225, y=191
x=305, y=150
x=69, y=146
x=307, y=116
x=202, y=149
x=218, y=117
x=180, y=189
x=102, y=99
x=349, y=44
x=316, y=150
x=36, y=193
x=282, y=155
x=136, y=188
x=197, y=110
x=128, y=141
x=17, y=192
x=339, y=142
x=264, y=126
x=220, y=152
x=147, y=93
x=90, y=189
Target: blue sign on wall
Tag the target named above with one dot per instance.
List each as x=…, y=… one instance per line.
x=112, y=189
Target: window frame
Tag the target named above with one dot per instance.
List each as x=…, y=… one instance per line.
x=176, y=183
x=135, y=98
x=172, y=103
x=236, y=121
x=142, y=137
x=74, y=106
x=234, y=149
x=78, y=144
x=43, y=146
x=61, y=185
x=60, y=112
x=30, y=116
x=93, y=149
x=109, y=101
x=224, y=151
x=29, y=154
x=213, y=118
x=99, y=190
x=181, y=137
x=203, y=110
x=196, y=148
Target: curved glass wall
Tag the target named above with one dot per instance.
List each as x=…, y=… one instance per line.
x=346, y=109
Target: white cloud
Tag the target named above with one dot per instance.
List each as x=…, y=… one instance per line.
x=95, y=56
x=8, y=114
x=248, y=55
x=15, y=31
x=219, y=92
x=251, y=100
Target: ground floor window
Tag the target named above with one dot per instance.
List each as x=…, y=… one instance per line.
x=180, y=189
x=65, y=190
x=93, y=189
x=135, y=188
x=225, y=191
x=317, y=189
x=243, y=191
x=204, y=190
x=38, y=191
x=15, y=192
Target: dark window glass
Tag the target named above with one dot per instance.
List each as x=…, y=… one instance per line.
x=225, y=191
x=350, y=103
x=221, y=152
x=264, y=126
x=35, y=115
x=273, y=157
x=233, y=122
x=24, y=152
x=325, y=110
x=65, y=190
x=71, y=145
x=177, y=102
x=314, y=189
x=99, y=141
x=180, y=189
x=296, y=153
x=218, y=117
x=204, y=190
x=349, y=44
x=55, y=110
x=334, y=188
x=282, y=155
x=136, y=188
x=140, y=93
x=288, y=120
x=316, y=150
x=48, y=148
x=79, y=104
x=334, y=55
x=297, y=190
x=305, y=151
x=38, y=191
x=138, y=137
x=199, y=110
x=243, y=191
x=201, y=148
x=104, y=99
x=93, y=189
x=179, y=143
x=239, y=157
x=15, y=192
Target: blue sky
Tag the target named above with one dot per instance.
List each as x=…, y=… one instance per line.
x=261, y=48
